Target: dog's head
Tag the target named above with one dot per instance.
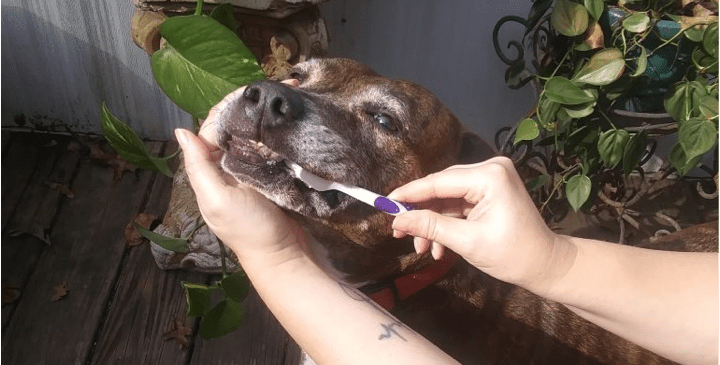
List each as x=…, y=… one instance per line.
x=345, y=123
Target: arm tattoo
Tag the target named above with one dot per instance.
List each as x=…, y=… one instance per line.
x=389, y=329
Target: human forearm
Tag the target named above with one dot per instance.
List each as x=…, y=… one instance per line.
x=625, y=290
x=333, y=323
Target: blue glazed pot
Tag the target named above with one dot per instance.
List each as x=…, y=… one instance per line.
x=665, y=66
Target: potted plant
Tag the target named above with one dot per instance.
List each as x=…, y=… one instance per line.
x=605, y=72
x=201, y=60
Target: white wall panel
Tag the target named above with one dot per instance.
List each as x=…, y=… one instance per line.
x=62, y=58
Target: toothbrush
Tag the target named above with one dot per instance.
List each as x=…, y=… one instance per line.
x=380, y=202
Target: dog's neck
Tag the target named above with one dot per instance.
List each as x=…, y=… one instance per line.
x=358, y=263
x=388, y=294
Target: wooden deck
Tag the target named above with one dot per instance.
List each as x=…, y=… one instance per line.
x=119, y=306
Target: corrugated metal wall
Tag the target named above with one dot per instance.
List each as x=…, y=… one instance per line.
x=62, y=58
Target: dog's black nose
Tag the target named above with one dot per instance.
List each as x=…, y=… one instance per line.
x=272, y=103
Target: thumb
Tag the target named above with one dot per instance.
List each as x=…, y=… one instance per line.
x=202, y=172
x=447, y=231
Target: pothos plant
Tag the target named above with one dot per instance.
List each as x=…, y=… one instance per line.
x=200, y=61
x=601, y=56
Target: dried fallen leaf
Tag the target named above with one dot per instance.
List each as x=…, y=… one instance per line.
x=700, y=22
x=62, y=188
x=74, y=146
x=59, y=291
x=120, y=165
x=38, y=232
x=594, y=37
x=179, y=333
x=10, y=293
x=276, y=63
x=132, y=236
x=97, y=153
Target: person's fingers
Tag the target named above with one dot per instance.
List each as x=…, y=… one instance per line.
x=468, y=182
x=203, y=173
x=209, y=131
x=421, y=245
x=463, y=183
x=436, y=228
x=291, y=82
x=437, y=250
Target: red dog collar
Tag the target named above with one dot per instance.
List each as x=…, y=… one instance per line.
x=389, y=294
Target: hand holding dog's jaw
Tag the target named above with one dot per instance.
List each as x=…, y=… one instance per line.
x=250, y=224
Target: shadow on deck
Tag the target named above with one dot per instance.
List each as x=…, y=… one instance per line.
x=119, y=305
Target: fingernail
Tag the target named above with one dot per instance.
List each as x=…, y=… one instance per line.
x=181, y=136
x=416, y=244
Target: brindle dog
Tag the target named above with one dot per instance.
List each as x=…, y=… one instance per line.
x=346, y=123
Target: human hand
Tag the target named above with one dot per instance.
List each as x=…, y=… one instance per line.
x=246, y=221
x=484, y=213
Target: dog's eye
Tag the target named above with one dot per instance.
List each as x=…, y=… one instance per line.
x=297, y=75
x=385, y=121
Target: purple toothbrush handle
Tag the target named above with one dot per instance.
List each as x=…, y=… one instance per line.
x=392, y=207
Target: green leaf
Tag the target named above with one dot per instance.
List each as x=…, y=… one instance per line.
x=680, y=101
x=695, y=33
x=677, y=101
x=517, y=75
x=224, y=318
x=201, y=62
x=581, y=110
x=236, y=286
x=537, y=182
x=563, y=120
x=704, y=62
x=527, y=130
x=697, y=136
x=561, y=90
x=710, y=40
x=178, y=245
x=225, y=15
x=603, y=68
x=569, y=18
x=128, y=145
x=680, y=162
x=611, y=146
x=546, y=111
x=618, y=88
x=641, y=63
x=708, y=106
x=634, y=151
x=198, y=298
x=538, y=9
x=577, y=190
x=636, y=23
x=595, y=8
x=580, y=139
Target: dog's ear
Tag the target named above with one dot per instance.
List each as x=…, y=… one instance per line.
x=473, y=149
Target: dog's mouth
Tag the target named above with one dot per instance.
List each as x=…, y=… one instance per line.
x=255, y=162
x=250, y=151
